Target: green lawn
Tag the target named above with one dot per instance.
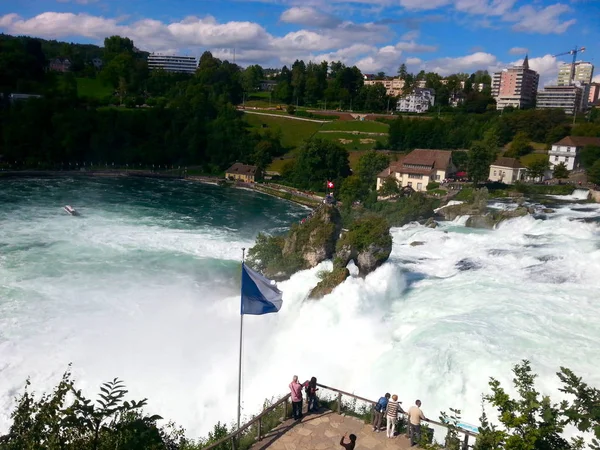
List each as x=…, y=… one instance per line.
x=528, y=159
x=293, y=132
x=356, y=125
x=92, y=88
x=352, y=141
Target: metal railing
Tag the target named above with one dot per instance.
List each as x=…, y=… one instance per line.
x=466, y=434
x=234, y=436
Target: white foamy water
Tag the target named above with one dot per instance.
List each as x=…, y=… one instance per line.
x=158, y=306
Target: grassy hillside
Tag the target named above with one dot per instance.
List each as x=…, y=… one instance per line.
x=356, y=125
x=293, y=132
x=353, y=141
x=92, y=88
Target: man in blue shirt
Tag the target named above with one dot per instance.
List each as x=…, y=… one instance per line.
x=378, y=411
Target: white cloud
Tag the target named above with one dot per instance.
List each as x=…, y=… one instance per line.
x=546, y=66
x=424, y=4
x=308, y=16
x=468, y=63
x=544, y=21
x=413, y=47
x=518, y=51
x=79, y=2
x=596, y=79
x=410, y=36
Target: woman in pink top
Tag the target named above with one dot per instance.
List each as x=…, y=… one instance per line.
x=296, y=390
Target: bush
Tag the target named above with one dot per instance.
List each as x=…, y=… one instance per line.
x=432, y=185
x=291, y=109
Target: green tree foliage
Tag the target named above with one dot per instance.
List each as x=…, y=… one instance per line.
x=317, y=162
x=389, y=187
x=251, y=78
x=589, y=155
x=520, y=146
x=538, y=168
x=481, y=155
x=586, y=129
x=67, y=420
x=353, y=189
x=594, y=173
x=369, y=165
x=556, y=134
x=560, y=171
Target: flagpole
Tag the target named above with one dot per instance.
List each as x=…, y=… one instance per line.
x=239, y=408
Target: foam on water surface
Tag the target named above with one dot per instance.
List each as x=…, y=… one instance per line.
x=145, y=286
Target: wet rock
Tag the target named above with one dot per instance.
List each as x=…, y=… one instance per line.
x=467, y=264
x=431, y=223
x=548, y=210
x=415, y=243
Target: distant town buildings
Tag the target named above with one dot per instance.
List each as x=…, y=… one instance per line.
x=572, y=99
x=594, y=94
x=418, y=101
x=419, y=168
x=60, y=65
x=172, y=63
x=568, y=150
x=268, y=85
x=516, y=86
x=507, y=170
x=243, y=172
x=583, y=72
x=393, y=86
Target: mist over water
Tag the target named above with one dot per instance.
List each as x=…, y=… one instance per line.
x=145, y=286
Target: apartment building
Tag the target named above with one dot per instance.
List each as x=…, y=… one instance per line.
x=583, y=72
x=418, y=101
x=172, y=63
x=393, y=86
x=572, y=99
x=594, y=94
x=515, y=86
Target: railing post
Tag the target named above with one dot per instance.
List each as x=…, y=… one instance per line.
x=465, y=445
x=285, y=410
x=339, y=403
x=259, y=431
x=232, y=442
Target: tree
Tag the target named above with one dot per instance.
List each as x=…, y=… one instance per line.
x=481, y=155
x=593, y=173
x=251, y=78
x=353, y=189
x=589, y=155
x=369, y=165
x=520, y=146
x=319, y=161
x=402, y=72
x=538, y=168
x=389, y=187
x=560, y=171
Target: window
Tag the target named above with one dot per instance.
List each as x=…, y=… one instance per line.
x=494, y=173
x=567, y=159
x=419, y=186
x=410, y=184
x=556, y=158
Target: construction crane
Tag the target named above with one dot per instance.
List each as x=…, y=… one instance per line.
x=573, y=52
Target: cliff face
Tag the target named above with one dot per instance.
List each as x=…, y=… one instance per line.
x=367, y=242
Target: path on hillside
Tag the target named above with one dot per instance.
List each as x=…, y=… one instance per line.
x=323, y=430
x=369, y=133
x=283, y=116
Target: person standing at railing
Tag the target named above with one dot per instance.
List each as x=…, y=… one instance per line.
x=415, y=415
x=311, y=394
x=378, y=410
x=296, y=390
x=391, y=415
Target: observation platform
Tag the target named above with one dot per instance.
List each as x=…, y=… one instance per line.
x=323, y=430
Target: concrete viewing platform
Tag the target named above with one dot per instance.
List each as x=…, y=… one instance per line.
x=323, y=430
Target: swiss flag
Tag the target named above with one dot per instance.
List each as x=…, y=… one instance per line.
x=330, y=185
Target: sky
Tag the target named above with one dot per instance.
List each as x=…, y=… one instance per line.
x=444, y=36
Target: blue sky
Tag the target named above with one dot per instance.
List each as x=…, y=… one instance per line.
x=446, y=36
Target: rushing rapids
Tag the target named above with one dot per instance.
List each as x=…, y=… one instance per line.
x=144, y=286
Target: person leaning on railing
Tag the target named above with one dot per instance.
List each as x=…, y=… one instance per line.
x=415, y=415
x=378, y=410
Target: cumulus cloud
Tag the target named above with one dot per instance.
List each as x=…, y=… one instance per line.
x=546, y=66
x=423, y=4
x=518, y=51
x=410, y=35
x=544, y=21
x=596, y=79
x=413, y=47
x=309, y=17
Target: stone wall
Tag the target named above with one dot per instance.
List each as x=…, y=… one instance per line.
x=595, y=195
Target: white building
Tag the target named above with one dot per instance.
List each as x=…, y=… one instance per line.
x=572, y=99
x=507, y=170
x=567, y=151
x=418, y=101
x=393, y=86
x=583, y=72
x=419, y=168
x=172, y=63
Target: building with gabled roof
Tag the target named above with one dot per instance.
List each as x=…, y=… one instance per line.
x=419, y=168
x=243, y=172
x=507, y=170
x=567, y=150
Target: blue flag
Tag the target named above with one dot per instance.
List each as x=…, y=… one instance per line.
x=259, y=294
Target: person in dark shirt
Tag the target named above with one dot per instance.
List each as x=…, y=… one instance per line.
x=350, y=445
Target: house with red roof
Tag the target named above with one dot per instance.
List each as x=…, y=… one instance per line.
x=567, y=150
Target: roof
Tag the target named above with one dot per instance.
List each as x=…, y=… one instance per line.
x=395, y=166
x=508, y=162
x=436, y=159
x=242, y=169
x=579, y=141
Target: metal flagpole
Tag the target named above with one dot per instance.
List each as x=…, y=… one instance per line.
x=239, y=409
